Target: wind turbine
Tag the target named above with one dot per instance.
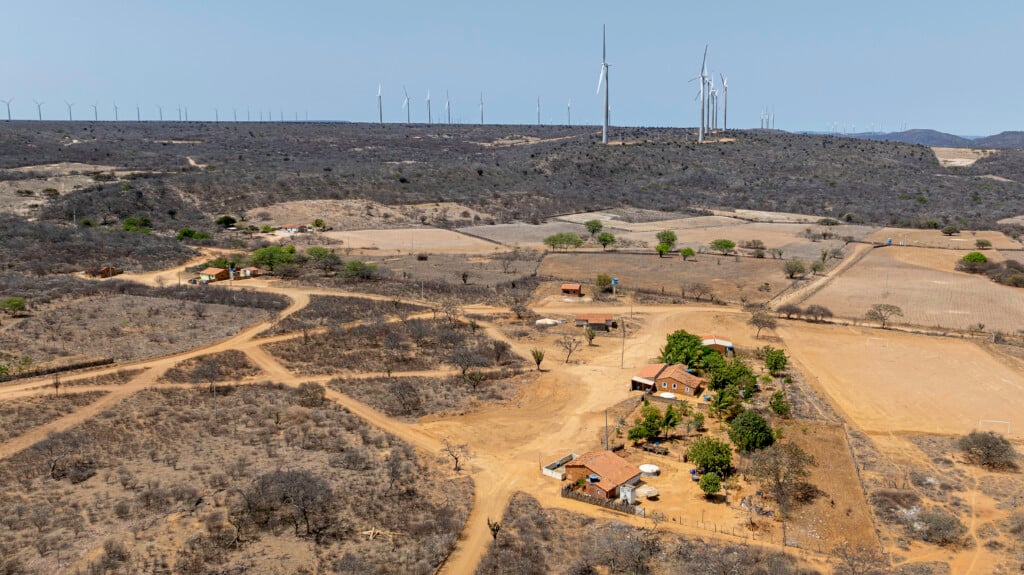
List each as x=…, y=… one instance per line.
x=408, y=108
x=161, y=109
x=380, y=105
x=39, y=109
x=138, y=113
x=538, y=110
x=179, y=113
x=603, y=79
x=70, y=105
x=216, y=115
x=186, y=113
x=725, y=107
x=95, y=112
x=234, y=113
x=703, y=98
x=481, y=108
x=568, y=110
x=430, y=117
x=115, y=112
x=448, y=107
x=8, y=103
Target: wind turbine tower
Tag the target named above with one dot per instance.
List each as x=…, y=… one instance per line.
x=95, y=112
x=138, y=113
x=538, y=110
x=115, y=112
x=448, y=107
x=703, y=77
x=603, y=79
x=430, y=116
x=568, y=110
x=408, y=108
x=481, y=108
x=39, y=109
x=161, y=109
x=8, y=104
x=70, y=105
x=725, y=107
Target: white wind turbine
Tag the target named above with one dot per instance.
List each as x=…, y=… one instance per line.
x=703, y=77
x=481, y=108
x=69, y=105
x=115, y=112
x=447, y=107
x=725, y=107
x=138, y=113
x=568, y=109
x=380, y=104
x=430, y=116
x=39, y=109
x=95, y=111
x=408, y=108
x=603, y=79
x=538, y=110
x=8, y=104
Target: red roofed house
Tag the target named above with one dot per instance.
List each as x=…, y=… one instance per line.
x=719, y=344
x=597, y=321
x=250, y=272
x=660, y=377
x=604, y=473
x=572, y=289
x=214, y=274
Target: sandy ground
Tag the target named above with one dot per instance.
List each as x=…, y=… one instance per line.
x=924, y=284
x=936, y=239
x=959, y=157
x=413, y=240
x=885, y=381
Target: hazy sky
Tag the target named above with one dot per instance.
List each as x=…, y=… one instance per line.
x=952, y=66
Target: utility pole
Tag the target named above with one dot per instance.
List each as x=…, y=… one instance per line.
x=622, y=359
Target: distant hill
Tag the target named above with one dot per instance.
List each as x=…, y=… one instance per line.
x=930, y=138
x=1002, y=140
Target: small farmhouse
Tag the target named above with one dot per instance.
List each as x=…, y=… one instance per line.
x=294, y=228
x=250, y=272
x=596, y=321
x=214, y=274
x=604, y=474
x=104, y=272
x=719, y=344
x=572, y=289
x=660, y=377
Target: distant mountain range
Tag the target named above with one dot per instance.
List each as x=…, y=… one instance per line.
x=940, y=139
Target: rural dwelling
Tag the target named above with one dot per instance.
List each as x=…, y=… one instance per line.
x=660, y=377
x=214, y=274
x=250, y=272
x=597, y=321
x=294, y=228
x=644, y=379
x=572, y=289
x=721, y=345
x=104, y=272
x=605, y=475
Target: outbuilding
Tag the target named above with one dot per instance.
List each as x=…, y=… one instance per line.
x=604, y=474
x=214, y=274
x=250, y=272
x=719, y=344
x=572, y=289
x=596, y=321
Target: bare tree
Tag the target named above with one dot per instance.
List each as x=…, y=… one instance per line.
x=761, y=319
x=474, y=378
x=883, y=312
x=569, y=343
x=494, y=526
x=850, y=560
x=457, y=453
x=698, y=290
x=782, y=469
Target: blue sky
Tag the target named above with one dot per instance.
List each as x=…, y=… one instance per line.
x=950, y=66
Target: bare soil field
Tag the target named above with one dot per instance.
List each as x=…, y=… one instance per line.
x=412, y=240
x=324, y=311
x=157, y=479
x=960, y=157
x=727, y=277
x=411, y=398
x=923, y=283
x=525, y=235
x=936, y=239
x=17, y=415
x=886, y=381
x=483, y=270
x=123, y=327
x=768, y=216
x=365, y=214
x=621, y=216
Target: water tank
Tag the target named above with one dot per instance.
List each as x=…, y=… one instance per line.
x=594, y=478
x=667, y=395
x=649, y=470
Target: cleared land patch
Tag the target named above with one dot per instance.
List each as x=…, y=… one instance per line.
x=960, y=157
x=19, y=415
x=886, y=381
x=936, y=239
x=412, y=240
x=923, y=283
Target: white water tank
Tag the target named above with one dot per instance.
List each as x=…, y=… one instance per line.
x=649, y=470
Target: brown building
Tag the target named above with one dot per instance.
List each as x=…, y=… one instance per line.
x=719, y=344
x=603, y=473
x=572, y=289
x=250, y=272
x=597, y=321
x=214, y=274
x=660, y=377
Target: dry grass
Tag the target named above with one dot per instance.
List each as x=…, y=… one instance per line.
x=226, y=365
x=19, y=415
x=160, y=474
x=337, y=310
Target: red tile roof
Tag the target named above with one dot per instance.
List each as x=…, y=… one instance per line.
x=595, y=317
x=650, y=371
x=679, y=374
x=612, y=469
x=212, y=271
x=566, y=287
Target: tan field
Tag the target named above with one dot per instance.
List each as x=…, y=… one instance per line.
x=936, y=239
x=959, y=157
x=885, y=381
x=411, y=240
x=923, y=283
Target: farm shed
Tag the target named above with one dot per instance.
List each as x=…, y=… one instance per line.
x=719, y=344
x=572, y=289
x=104, y=272
x=214, y=274
x=604, y=474
x=596, y=321
x=250, y=272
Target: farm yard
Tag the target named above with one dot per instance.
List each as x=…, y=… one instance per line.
x=411, y=240
x=923, y=283
x=964, y=240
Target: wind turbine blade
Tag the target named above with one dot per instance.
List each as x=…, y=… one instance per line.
x=380, y=89
x=600, y=79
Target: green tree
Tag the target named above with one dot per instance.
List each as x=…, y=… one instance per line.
x=710, y=483
x=671, y=419
x=323, y=258
x=817, y=266
x=733, y=371
x=662, y=249
x=982, y=244
x=686, y=348
x=726, y=403
x=782, y=470
x=775, y=360
x=723, y=246
x=593, y=226
x=687, y=253
x=605, y=239
x=590, y=334
x=697, y=421
x=950, y=230
x=13, y=305
x=137, y=224
x=882, y=313
x=761, y=319
x=666, y=237
x=563, y=241
x=780, y=405
x=749, y=431
x=272, y=257
x=359, y=270
x=794, y=268
x=975, y=258
x=538, y=356
x=603, y=282
x=226, y=221
x=648, y=425
x=318, y=223
x=710, y=454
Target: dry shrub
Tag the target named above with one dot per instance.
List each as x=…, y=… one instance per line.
x=989, y=450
